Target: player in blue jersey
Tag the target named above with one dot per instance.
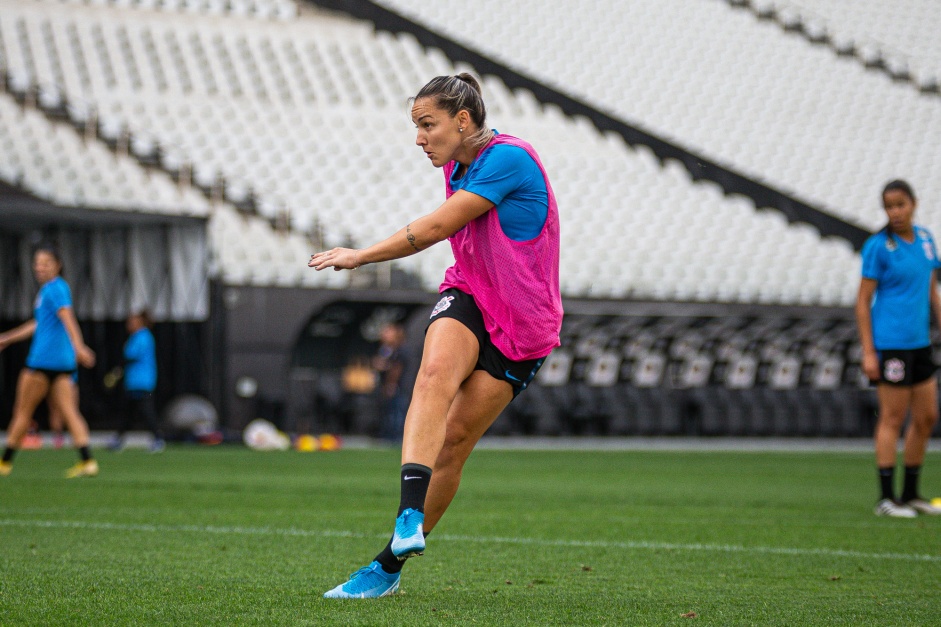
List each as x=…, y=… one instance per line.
x=509, y=178
x=56, y=351
x=897, y=295
x=140, y=380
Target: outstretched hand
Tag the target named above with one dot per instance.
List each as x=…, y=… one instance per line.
x=336, y=258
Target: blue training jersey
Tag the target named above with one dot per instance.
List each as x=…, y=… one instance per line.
x=51, y=348
x=140, y=368
x=509, y=178
x=901, y=309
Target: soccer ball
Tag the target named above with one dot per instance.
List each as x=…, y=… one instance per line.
x=261, y=435
x=306, y=443
x=329, y=442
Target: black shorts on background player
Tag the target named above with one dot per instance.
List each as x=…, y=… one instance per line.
x=462, y=307
x=52, y=375
x=906, y=367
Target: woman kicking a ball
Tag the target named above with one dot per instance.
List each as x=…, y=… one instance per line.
x=499, y=314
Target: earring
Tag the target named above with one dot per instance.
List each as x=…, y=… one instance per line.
x=460, y=130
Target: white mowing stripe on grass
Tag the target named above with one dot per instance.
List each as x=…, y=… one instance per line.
x=588, y=544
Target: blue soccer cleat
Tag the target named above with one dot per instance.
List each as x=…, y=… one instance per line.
x=369, y=582
x=408, y=539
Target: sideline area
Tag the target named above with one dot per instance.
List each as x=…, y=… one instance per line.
x=142, y=440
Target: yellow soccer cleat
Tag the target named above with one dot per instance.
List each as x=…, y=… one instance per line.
x=83, y=469
x=5, y=468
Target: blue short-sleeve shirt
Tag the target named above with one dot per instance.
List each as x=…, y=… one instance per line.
x=509, y=178
x=51, y=348
x=904, y=272
x=140, y=369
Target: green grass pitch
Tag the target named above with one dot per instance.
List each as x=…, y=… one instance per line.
x=226, y=536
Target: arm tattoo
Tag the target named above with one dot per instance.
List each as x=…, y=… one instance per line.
x=410, y=237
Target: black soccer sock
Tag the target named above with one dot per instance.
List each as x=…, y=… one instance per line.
x=910, y=485
x=415, y=480
x=390, y=563
x=387, y=559
x=886, y=482
x=84, y=453
x=8, y=454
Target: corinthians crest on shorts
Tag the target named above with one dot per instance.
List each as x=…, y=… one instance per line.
x=443, y=304
x=894, y=370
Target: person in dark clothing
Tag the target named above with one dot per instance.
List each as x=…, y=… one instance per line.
x=140, y=381
x=390, y=363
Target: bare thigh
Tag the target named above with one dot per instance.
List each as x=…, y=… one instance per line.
x=448, y=359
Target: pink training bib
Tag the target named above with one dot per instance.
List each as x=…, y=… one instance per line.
x=515, y=284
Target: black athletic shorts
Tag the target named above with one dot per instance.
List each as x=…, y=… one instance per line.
x=52, y=374
x=460, y=306
x=906, y=367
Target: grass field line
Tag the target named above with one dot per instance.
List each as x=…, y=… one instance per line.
x=593, y=544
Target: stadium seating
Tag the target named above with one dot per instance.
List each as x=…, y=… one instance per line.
x=816, y=125
x=902, y=35
x=702, y=375
x=308, y=118
x=248, y=251
x=53, y=161
x=263, y=9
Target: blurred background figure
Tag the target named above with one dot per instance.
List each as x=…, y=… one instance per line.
x=897, y=295
x=56, y=351
x=140, y=381
x=390, y=364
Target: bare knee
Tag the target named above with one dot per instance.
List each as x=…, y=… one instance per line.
x=20, y=421
x=892, y=420
x=923, y=422
x=458, y=443
x=459, y=437
x=436, y=376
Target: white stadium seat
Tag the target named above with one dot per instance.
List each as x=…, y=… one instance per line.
x=738, y=90
x=310, y=116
